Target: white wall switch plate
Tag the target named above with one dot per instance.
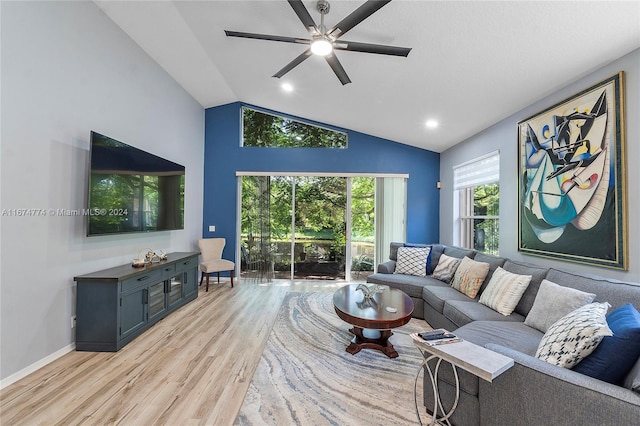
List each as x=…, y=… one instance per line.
x=212, y=228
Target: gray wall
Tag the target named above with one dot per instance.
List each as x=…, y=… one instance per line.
x=503, y=136
x=68, y=69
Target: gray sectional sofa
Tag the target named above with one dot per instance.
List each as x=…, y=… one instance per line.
x=533, y=392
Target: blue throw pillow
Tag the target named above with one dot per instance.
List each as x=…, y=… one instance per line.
x=616, y=355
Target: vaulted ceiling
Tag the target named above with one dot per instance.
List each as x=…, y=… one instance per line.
x=472, y=63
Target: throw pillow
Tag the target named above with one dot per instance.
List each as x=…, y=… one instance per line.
x=574, y=336
x=469, y=276
x=412, y=261
x=552, y=302
x=615, y=356
x=504, y=291
x=445, y=268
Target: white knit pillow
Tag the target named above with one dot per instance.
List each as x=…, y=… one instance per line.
x=412, y=261
x=574, y=336
x=504, y=291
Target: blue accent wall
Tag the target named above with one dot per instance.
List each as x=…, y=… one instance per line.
x=223, y=156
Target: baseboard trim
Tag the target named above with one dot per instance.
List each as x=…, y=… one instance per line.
x=36, y=366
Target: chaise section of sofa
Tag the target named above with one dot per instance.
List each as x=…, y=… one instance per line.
x=533, y=391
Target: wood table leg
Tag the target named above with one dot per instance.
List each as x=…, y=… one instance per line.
x=381, y=343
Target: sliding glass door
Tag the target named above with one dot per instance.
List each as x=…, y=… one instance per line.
x=314, y=227
x=362, y=224
x=319, y=227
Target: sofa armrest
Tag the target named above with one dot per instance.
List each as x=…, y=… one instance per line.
x=536, y=392
x=387, y=267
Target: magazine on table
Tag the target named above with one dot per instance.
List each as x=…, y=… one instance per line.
x=435, y=337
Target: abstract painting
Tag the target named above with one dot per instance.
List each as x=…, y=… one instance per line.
x=572, y=188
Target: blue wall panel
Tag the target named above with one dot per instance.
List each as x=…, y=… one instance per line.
x=223, y=156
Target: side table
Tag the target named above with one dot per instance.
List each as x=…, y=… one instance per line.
x=479, y=361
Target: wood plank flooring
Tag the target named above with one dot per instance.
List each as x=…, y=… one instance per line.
x=191, y=368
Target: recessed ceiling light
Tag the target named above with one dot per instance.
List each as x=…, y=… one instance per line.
x=287, y=87
x=432, y=124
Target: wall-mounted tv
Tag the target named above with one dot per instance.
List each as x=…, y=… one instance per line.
x=131, y=190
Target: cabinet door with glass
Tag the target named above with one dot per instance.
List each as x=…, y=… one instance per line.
x=174, y=289
x=157, y=301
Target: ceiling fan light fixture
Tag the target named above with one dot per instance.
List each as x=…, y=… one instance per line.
x=321, y=47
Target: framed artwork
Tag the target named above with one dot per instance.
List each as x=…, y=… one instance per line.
x=572, y=190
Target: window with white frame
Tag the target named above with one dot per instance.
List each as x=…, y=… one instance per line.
x=478, y=188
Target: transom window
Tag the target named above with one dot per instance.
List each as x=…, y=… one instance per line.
x=261, y=129
x=477, y=184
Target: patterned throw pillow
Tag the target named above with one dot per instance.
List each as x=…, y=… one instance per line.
x=412, y=261
x=469, y=276
x=504, y=291
x=445, y=268
x=574, y=336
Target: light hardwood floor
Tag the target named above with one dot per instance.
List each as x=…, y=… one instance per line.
x=193, y=367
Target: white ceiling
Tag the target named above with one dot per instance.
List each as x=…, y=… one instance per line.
x=473, y=63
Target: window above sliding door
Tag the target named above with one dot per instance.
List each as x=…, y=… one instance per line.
x=261, y=129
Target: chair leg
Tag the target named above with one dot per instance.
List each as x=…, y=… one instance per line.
x=218, y=277
x=231, y=273
x=201, y=277
x=207, y=289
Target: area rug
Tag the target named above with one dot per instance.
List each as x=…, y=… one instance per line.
x=305, y=376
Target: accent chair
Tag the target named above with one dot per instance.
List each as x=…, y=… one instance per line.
x=212, y=261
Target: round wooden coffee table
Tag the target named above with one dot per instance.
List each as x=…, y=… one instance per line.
x=372, y=321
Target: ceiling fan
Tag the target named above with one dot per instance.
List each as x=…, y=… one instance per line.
x=325, y=41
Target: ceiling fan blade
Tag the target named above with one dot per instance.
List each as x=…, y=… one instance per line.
x=357, y=16
x=336, y=66
x=380, y=49
x=291, y=65
x=267, y=37
x=304, y=16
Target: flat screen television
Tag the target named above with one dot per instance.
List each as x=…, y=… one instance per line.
x=131, y=190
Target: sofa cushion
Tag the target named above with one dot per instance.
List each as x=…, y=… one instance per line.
x=412, y=261
x=393, y=253
x=616, y=293
x=553, y=302
x=469, y=276
x=504, y=291
x=574, y=336
x=459, y=252
x=537, y=275
x=435, y=296
x=387, y=267
x=493, y=261
x=615, y=356
x=446, y=268
x=462, y=312
x=511, y=334
x=409, y=284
